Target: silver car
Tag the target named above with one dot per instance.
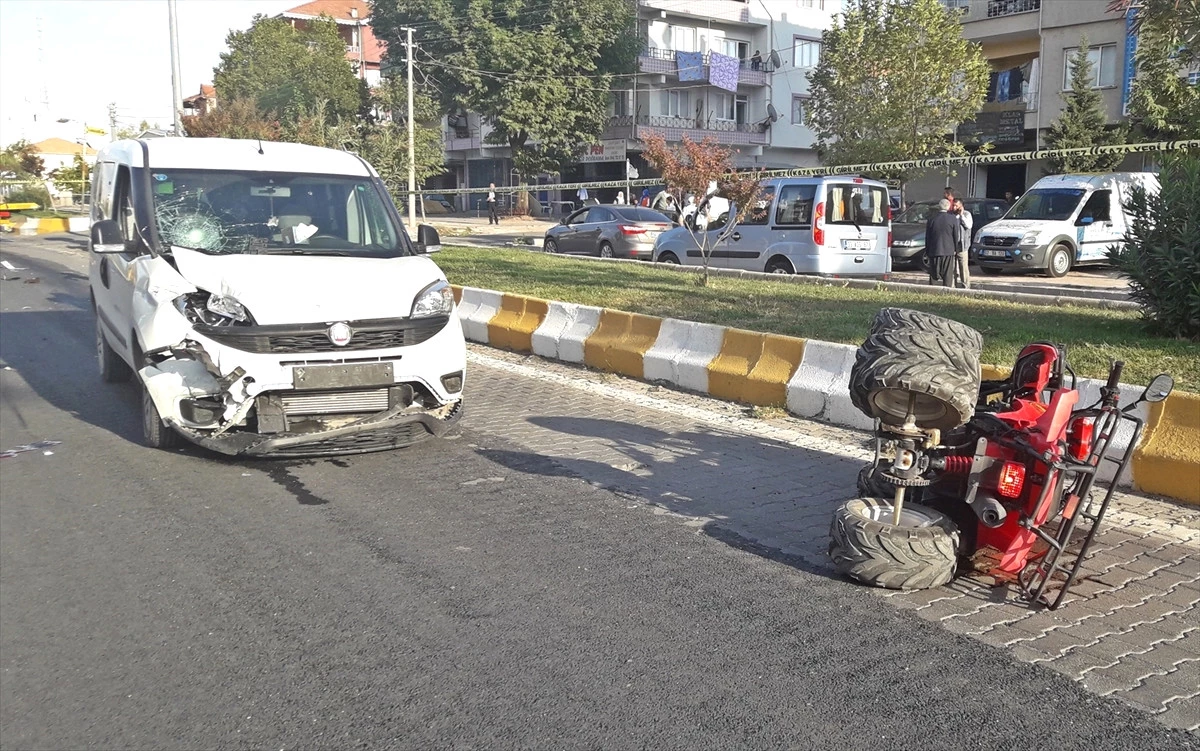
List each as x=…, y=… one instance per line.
x=608, y=232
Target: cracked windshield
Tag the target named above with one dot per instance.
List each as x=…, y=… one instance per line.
x=221, y=212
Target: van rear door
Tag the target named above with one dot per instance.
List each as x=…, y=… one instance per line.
x=856, y=222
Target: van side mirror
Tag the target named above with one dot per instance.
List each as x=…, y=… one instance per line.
x=106, y=237
x=1085, y=220
x=428, y=240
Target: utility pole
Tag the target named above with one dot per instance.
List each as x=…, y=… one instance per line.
x=412, y=163
x=177, y=96
x=112, y=122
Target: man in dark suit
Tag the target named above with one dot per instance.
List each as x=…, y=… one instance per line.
x=943, y=236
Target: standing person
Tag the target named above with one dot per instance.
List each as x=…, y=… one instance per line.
x=620, y=198
x=756, y=61
x=645, y=199
x=660, y=201
x=1009, y=197
x=582, y=195
x=948, y=194
x=491, y=202
x=963, y=266
x=689, y=209
x=943, y=236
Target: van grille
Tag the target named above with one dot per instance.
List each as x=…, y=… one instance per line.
x=999, y=242
x=334, y=402
x=314, y=337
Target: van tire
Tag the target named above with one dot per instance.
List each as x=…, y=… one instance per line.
x=112, y=368
x=867, y=547
x=668, y=257
x=778, y=266
x=156, y=433
x=1059, y=261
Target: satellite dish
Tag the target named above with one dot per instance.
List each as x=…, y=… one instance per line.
x=772, y=113
x=775, y=61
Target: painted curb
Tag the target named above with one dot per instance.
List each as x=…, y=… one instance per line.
x=810, y=378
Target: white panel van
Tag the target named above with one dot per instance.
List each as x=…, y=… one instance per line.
x=1063, y=221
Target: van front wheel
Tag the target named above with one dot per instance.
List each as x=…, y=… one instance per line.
x=778, y=266
x=1059, y=262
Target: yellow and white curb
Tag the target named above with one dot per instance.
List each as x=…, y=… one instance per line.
x=52, y=225
x=809, y=378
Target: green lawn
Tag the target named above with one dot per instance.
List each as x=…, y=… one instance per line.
x=837, y=314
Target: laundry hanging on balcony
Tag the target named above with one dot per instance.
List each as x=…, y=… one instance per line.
x=690, y=65
x=723, y=71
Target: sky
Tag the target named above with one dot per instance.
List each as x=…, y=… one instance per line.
x=90, y=53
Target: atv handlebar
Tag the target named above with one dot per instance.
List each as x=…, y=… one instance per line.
x=1114, y=375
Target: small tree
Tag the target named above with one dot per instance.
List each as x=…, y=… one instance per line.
x=237, y=118
x=73, y=177
x=1163, y=105
x=692, y=168
x=21, y=158
x=1161, y=255
x=1082, y=123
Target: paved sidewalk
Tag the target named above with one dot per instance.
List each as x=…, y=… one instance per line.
x=768, y=485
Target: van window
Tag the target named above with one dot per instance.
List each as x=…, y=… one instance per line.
x=102, y=190
x=854, y=203
x=760, y=211
x=795, y=204
x=1097, y=207
x=1048, y=204
x=122, y=206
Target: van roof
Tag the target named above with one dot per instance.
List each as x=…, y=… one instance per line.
x=234, y=154
x=832, y=178
x=1094, y=180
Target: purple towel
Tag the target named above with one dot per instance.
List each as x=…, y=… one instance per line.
x=723, y=71
x=690, y=66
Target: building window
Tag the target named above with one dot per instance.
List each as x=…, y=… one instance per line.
x=1104, y=66
x=732, y=108
x=1193, y=78
x=675, y=103
x=798, y=105
x=820, y=4
x=619, y=104
x=682, y=38
x=735, y=48
x=806, y=53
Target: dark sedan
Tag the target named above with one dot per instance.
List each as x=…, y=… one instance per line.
x=608, y=232
x=908, y=229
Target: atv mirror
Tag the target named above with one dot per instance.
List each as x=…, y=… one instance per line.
x=1160, y=386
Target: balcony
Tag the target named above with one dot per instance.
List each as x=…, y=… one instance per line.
x=662, y=62
x=453, y=141
x=722, y=10
x=998, y=8
x=725, y=132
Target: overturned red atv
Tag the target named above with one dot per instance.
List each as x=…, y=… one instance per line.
x=995, y=475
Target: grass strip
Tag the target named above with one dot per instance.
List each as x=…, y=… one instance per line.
x=830, y=313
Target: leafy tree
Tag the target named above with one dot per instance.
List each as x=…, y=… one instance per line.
x=693, y=168
x=72, y=177
x=1162, y=104
x=21, y=158
x=1161, y=255
x=539, y=71
x=280, y=68
x=894, y=79
x=1082, y=124
x=127, y=132
x=236, y=118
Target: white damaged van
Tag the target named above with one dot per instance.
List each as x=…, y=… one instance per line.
x=1063, y=221
x=268, y=299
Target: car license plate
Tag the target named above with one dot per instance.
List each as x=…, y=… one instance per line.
x=995, y=254
x=856, y=246
x=342, y=376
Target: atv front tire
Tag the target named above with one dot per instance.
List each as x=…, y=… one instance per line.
x=919, y=553
x=915, y=320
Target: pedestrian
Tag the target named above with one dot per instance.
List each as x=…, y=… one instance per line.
x=1009, y=197
x=645, y=199
x=756, y=61
x=620, y=198
x=491, y=202
x=948, y=194
x=943, y=237
x=582, y=195
x=660, y=201
x=689, y=210
x=963, y=265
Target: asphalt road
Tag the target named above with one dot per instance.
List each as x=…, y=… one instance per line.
x=431, y=597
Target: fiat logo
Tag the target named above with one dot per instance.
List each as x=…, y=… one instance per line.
x=339, y=334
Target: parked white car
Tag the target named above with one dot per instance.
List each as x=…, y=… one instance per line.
x=269, y=300
x=1062, y=222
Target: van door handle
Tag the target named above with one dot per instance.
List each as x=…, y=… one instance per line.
x=104, y=271
x=736, y=236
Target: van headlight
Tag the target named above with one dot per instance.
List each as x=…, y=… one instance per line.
x=435, y=300
x=212, y=310
x=1030, y=238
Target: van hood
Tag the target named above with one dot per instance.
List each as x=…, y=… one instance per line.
x=311, y=289
x=1013, y=226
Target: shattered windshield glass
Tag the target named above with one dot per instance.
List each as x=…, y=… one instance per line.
x=227, y=212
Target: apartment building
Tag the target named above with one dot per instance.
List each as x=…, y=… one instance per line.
x=732, y=70
x=363, y=51
x=1028, y=44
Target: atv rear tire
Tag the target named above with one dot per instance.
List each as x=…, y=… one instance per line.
x=914, y=320
x=920, y=553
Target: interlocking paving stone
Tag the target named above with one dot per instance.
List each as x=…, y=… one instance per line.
x=1130, y=616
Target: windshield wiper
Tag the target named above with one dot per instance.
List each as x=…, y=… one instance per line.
x=298, y=251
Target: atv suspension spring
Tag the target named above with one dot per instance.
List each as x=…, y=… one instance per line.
x=958, y=465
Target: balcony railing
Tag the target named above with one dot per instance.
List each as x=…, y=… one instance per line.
x=997, y=8
x=662, y=62
x=452, y=141
x=725, y=132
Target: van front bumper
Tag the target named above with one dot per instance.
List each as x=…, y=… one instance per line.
x=1010, y=258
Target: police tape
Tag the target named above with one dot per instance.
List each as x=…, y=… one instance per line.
x=849, y=169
